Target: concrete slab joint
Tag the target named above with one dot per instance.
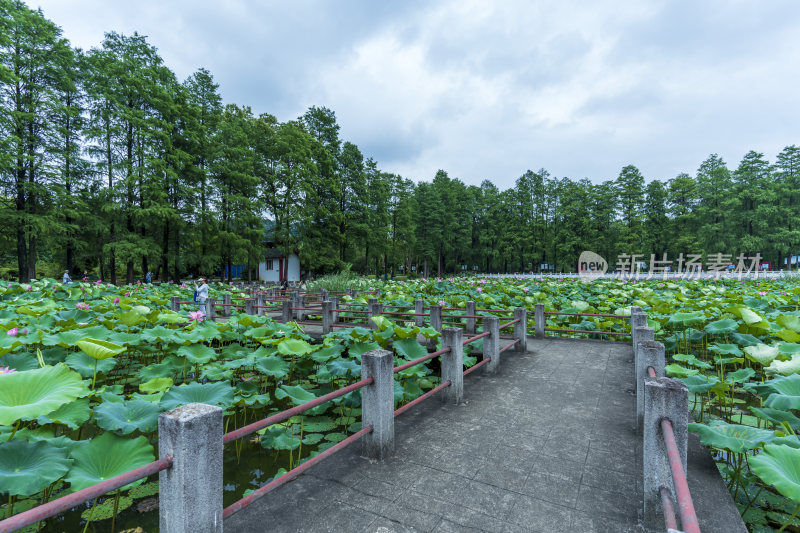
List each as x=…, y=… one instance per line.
x=453, y=365
x=664, y=398
x=190, y=493
x=377, y=404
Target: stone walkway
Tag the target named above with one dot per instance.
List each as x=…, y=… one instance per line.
x=546, y=445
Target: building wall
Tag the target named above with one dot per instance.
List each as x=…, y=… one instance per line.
x=273, y=273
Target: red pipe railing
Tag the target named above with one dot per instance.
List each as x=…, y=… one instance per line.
x=400, y=410
x=50, y=509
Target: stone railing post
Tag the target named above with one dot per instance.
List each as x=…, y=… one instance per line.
x=261, y=302
x=436, y=323
x=173, y=303
x=521, y=329
x=324, y=295
x=210, y=309
x=190, y=493
x=286, y=311
x=638, y=320
x=227, y=310
x=648, y=354
x=453, y=365
x=301, y=302
x=372, y=310
x=470, y=310
x=664, y=398
x=326, y=316
x=538, y=320
x=419, y=310
x=249, y=306
x=334, y=306
x=377, y=404
x=491, y=343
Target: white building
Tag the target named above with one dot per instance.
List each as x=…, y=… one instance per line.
x=276, y=263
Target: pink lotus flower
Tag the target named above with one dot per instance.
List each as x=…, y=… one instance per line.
x=13, y=332
x=116, y=300
x=442, y=302
x=183, y=285
x=479, y=289
x=7, y=370
x=127, y=294
x=25, y=331
x=98, y=282
x=29, y=288
x=82, y=306
x=197, y=315
x=525, y=289
x=762, y=293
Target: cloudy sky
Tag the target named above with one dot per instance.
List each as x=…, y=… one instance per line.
x=487, y=90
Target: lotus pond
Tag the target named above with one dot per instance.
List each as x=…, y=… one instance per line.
x=85, y=370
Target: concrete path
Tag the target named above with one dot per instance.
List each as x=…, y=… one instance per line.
x=546, y=445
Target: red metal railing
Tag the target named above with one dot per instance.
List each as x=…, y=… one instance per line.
x=60, y=505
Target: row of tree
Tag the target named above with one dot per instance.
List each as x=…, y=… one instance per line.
x=109, y=163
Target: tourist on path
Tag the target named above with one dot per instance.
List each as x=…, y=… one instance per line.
x=202, y=290
x=66, y=279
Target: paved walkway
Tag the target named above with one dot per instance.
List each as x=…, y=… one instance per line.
x=546, y=445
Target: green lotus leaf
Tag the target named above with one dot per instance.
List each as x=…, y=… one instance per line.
x=84, y=365
x=294, y=346
x=791, y=322
x=327, y=353
x=30, y=394
x=699, y=384
x=106, y=456
x=789, y=440
x=143, y=491
x=788, y=348
x=131, y=318
x=27, y=468
x=678, y=371
x=197, y=353
x=344, y=367
x=125, y=418
x=735, y=438
x=156, y=385
x=279, y=438
x=726, y=349
x=273, y=366
x=220, y=393
x=297, y=395
x=776, y=416
x=160, y=334
x=761, y=353
x=740, y=376
x=405, y=333
x=749, y=316
x=105, y=510
x=580, y=306
x=409, y=349
x=745, y=339
x=20, y=361
x=99, y=349
x=141, y=309
x=720, y=327
x=792, y=366
x=317, y=424
x=72, y=414
x=684, y=320
x=779, y=466
x=381, y=321
x=360, y=348
x=787, y=335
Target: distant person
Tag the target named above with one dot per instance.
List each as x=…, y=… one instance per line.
x=201, y=294
x=65, y=278
x=148, y=278
x=85, y=276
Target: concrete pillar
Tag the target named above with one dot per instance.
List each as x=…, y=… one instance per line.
x=173, y=303
x=301, y=302
x=324, y=295
x=286, y=311
x=377, y=404
x=521, y=329
x=436, y=323
x=249, y=306
x=453, y=365
x=638, y=320
x=491, y=343
x=538, y=320
x=419, y=309
x=641, y=334
x=210, y=309
x=334, y=306
x=470, y=309
x=190, y=493
x=227, y=310
x=326, y=316
x=372, y=310
x=664, y=398
x=261, y=302
x=649, y=353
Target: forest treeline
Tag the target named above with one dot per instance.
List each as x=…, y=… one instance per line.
x=109, y=163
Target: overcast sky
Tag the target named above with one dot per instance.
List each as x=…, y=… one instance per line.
x=487, y=90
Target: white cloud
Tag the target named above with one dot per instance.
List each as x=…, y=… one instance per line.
x=490, y=89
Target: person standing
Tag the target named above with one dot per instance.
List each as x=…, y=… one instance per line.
x=66, y=279
x=148, y=278
x=202, y=290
